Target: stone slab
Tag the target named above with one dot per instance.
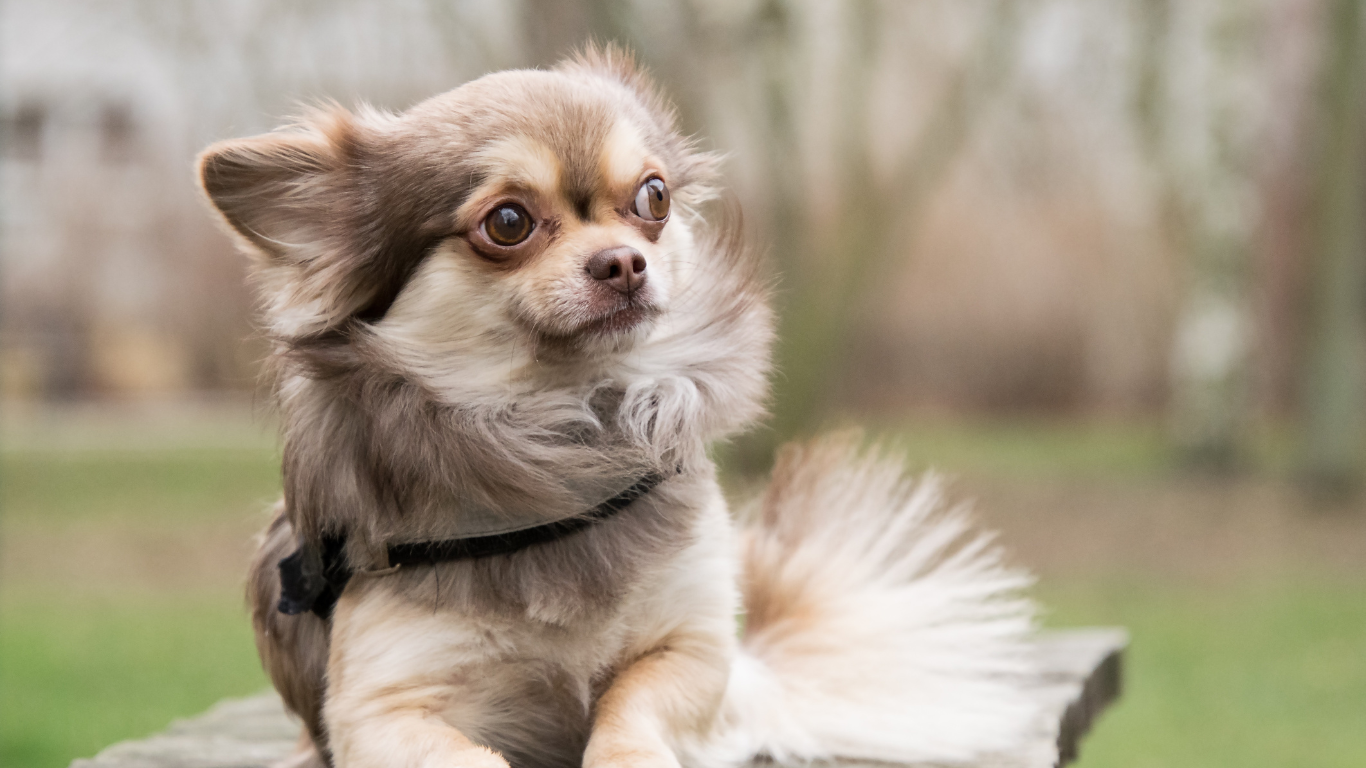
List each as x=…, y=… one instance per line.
x=1081, y=676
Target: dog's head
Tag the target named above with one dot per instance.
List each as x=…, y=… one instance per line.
x=551, y=207
x=502, y=295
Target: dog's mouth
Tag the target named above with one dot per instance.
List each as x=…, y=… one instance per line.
x=609, y=323
x=631, y=314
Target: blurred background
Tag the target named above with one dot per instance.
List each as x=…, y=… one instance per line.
x=1102, y=261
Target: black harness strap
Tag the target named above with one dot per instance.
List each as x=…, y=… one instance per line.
x=309, y=585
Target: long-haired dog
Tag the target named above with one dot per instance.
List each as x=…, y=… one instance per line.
x=504, y=336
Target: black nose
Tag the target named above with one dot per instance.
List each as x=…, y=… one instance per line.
x=621, y=267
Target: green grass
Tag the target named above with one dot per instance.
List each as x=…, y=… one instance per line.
x=184, y=485
x=1013, y=449
x=82, y=669
x=79, y=673
x=1256, y=673
x=1269, y=675
x=1031, y=449
x=1244, y=676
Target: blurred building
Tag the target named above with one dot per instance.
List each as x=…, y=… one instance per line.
x=115, y=281
x=108, y=268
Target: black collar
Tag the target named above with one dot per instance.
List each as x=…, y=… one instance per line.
x=313, y=580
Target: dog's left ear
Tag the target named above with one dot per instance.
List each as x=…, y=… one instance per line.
x=289, y=197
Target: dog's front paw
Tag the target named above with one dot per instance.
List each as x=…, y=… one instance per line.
x=629, y=757
x=474, y=757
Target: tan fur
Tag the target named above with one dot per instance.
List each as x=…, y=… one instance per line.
x=433, y=383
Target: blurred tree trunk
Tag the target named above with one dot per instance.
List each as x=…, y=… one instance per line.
x=826, y=273
x=1285, y=232
x=1203, y=203
x=1335, y=392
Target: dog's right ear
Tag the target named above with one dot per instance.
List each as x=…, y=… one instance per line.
x=288, y=197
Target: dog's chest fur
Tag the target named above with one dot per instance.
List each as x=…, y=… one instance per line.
x=530, y=640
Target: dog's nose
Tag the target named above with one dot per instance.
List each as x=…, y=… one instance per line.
x=622, y=267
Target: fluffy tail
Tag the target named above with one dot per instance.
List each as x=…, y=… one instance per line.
x=879, y=625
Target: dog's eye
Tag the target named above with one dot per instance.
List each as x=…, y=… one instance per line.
x=508, y=224
x=652, y=201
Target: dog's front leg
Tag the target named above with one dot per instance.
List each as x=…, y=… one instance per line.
x=667, y=698
x=391, y=678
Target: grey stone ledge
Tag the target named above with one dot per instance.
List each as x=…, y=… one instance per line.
x=1081, y=676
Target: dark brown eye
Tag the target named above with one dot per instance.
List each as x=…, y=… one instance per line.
x=652, y=201
x=508, y=224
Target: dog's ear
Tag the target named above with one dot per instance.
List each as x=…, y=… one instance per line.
x=274, y=190
x=289, y=196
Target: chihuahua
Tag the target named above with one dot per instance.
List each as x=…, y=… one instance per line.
x=506, y=325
